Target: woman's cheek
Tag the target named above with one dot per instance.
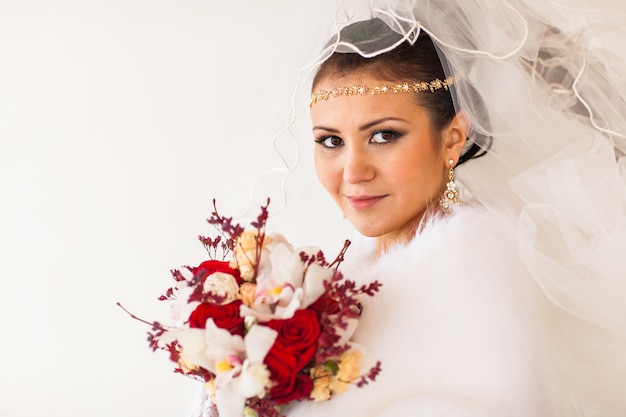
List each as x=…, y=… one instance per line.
x=328, y=174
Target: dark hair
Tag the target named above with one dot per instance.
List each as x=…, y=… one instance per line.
x=407, y=62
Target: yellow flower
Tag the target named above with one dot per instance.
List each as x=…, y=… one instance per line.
x=246, y=269
x=245, y=256
x=349, y=370
x=338, y=386
x=248, y=240
x=247, y=290
x=322, y=379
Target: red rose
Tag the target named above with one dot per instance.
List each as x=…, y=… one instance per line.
x=283, y=369
x=206, y=268
x=298, y=336
x=225, y=316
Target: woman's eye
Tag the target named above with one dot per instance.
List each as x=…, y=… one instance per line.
x=384, y=136
x=330, y=142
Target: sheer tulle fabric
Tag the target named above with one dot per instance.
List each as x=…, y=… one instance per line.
x=544, y=81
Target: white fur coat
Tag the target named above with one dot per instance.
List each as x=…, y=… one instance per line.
x=462, y=329
x=454, y=325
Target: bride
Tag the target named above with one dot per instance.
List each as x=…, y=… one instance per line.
x=450, y=327
x=477, y=147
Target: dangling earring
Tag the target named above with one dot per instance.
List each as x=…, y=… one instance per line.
x=451, y=194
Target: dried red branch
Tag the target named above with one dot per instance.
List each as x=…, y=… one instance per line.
x=340, y=257
x=133, y=316
x=261, y=219
x=169, y=294
x=177, y=275
x=370, y=376
x=225, y=224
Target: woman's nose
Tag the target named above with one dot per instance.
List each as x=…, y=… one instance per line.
x=358, y=166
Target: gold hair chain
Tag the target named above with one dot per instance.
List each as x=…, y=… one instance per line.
x=402, y=87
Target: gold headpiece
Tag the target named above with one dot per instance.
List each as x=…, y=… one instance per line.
x=402, y=87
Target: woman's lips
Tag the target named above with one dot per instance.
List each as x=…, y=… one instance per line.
x=364, y=202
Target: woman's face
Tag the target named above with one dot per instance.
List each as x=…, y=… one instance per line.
x=379, y=158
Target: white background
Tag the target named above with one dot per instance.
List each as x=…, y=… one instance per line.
x=120, y=120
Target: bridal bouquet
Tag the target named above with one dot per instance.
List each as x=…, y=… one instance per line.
x=265, y=326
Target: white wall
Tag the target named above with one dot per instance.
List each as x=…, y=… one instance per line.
x=120, y=120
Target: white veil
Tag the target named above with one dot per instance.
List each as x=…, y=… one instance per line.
x=544, y=81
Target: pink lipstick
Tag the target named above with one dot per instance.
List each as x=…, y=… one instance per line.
x=364, y=202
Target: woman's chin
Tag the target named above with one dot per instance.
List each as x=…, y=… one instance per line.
x=367, y=228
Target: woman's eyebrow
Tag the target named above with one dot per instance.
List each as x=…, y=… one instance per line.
x=328, y=129
x=363, y=127
x=368, y=125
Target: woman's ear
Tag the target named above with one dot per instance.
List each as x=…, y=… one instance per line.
x=455, y=135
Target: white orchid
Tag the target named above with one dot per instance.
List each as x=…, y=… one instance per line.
x=284, y=283
x=237, y=362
